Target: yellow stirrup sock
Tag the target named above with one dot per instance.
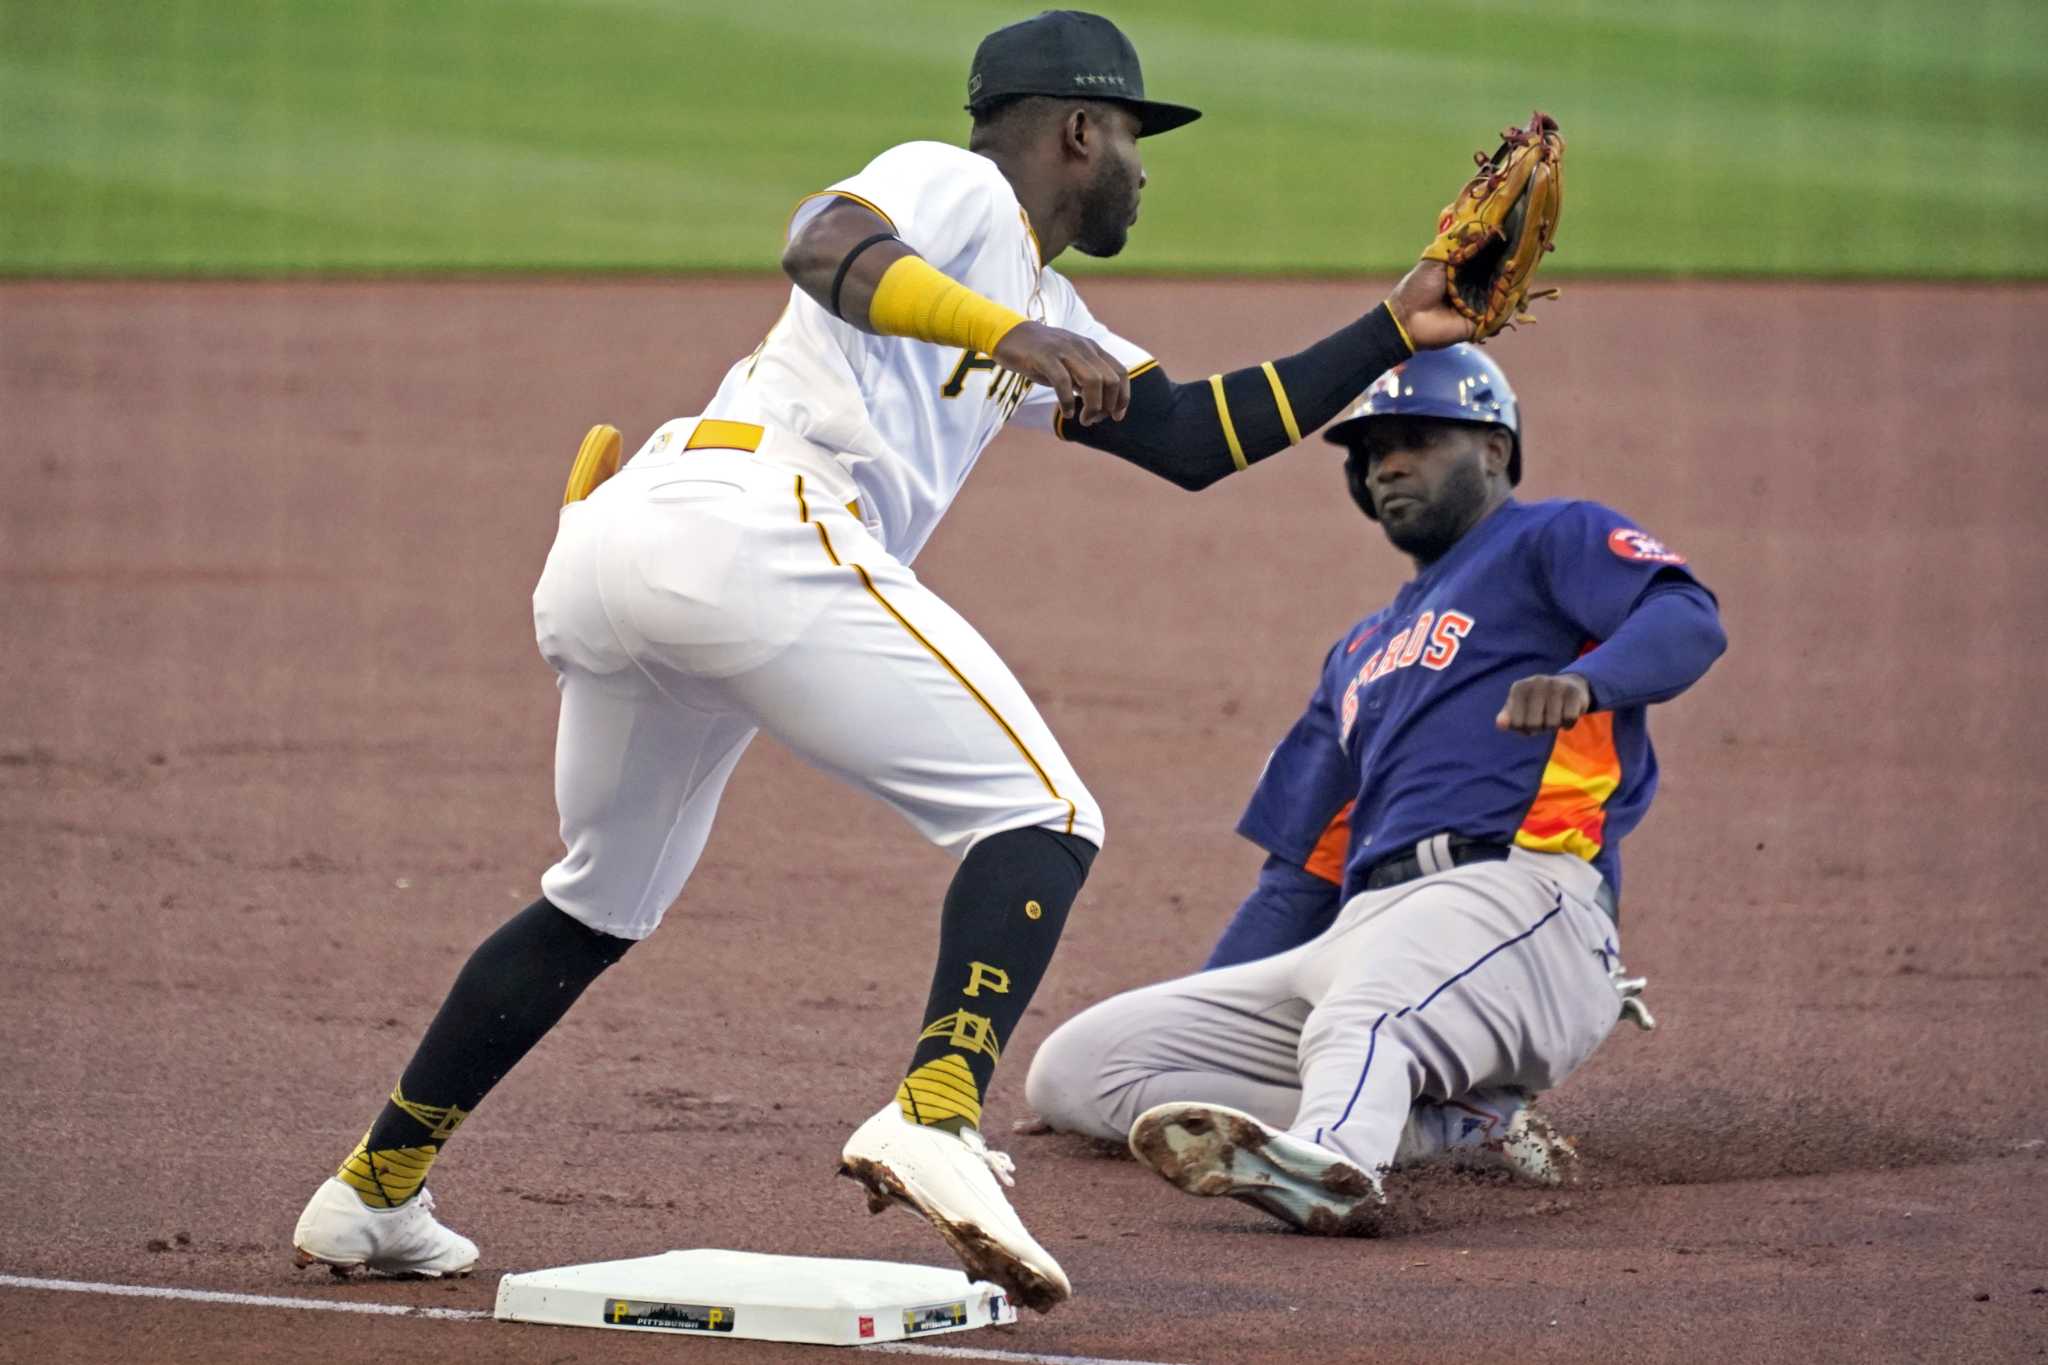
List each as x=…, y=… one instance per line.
x=388, y=1174
x=940, y=1090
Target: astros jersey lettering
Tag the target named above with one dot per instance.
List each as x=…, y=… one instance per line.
x=908, y=420
x=1398, y=741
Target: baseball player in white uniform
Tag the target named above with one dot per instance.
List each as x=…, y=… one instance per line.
x=749, y=569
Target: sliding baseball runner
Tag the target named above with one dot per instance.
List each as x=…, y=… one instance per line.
x=1437, y=932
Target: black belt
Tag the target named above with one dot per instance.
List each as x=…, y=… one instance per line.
x=1431, y=856
x=1443, y=852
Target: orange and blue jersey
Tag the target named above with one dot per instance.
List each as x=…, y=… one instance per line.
x=1398, y=742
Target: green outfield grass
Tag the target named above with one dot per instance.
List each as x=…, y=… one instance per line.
x=1830, y=137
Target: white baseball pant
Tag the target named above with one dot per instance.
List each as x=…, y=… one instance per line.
x=1492, y=974
x=719, y=585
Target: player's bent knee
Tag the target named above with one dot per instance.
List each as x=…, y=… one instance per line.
x=1022, y=800
x=1073, y=812
x=599, y=944
x=1087, y=822
x=599, y=919
x=1082, y=851
x=1064, y=1085
x=1082, y=824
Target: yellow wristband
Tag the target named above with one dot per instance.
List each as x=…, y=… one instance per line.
x=914, y=300
x=1396, y=317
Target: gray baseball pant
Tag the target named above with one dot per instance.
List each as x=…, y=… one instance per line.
x=1492, y=974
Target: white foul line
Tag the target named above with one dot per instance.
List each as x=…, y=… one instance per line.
x=151, y=1291
x=975, y=1353
x=399, y=1310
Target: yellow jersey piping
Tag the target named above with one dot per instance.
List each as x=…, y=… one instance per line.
x=841, y=194
x=804, y=513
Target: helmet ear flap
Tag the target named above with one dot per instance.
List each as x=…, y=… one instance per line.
x=1513, y=465
x=1354, y=479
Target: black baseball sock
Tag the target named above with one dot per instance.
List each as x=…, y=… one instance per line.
x=1001, y=921
x=515, y=987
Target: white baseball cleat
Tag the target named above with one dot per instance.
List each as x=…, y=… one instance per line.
x=1495, y=1128
x=1534, y=1151
x=951, y=1181
x=340, y=1231
x=1207, y=1149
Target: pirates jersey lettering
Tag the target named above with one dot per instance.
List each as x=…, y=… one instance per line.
x=886, y=406
x=1006, y=388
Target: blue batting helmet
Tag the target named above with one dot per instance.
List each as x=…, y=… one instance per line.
x=1458, y=382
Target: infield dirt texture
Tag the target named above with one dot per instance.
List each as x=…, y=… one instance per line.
x=275, y=754
x=275, y=743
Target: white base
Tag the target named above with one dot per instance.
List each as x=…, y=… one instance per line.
x=708, y=1293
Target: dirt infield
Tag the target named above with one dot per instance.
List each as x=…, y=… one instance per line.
x=275, y=754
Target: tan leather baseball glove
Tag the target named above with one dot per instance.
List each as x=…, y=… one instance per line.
x=1496, y=232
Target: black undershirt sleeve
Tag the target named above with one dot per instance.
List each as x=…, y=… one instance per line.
x=1184, y=433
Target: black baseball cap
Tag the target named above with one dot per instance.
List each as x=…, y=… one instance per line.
x=1072, y=54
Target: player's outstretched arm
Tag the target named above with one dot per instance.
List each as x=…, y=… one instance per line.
x=1194, y=434
x=850, y=261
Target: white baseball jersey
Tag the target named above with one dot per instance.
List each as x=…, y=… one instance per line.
x=747, y=570
x=908, y=419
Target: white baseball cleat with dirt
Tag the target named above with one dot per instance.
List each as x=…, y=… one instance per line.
x=1208, y=1149
x=1495, y=1128
x=340, y=1231
x=951, y=1181
x=1534, y=1151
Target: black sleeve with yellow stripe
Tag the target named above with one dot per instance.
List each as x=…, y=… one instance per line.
x=1194, y=434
